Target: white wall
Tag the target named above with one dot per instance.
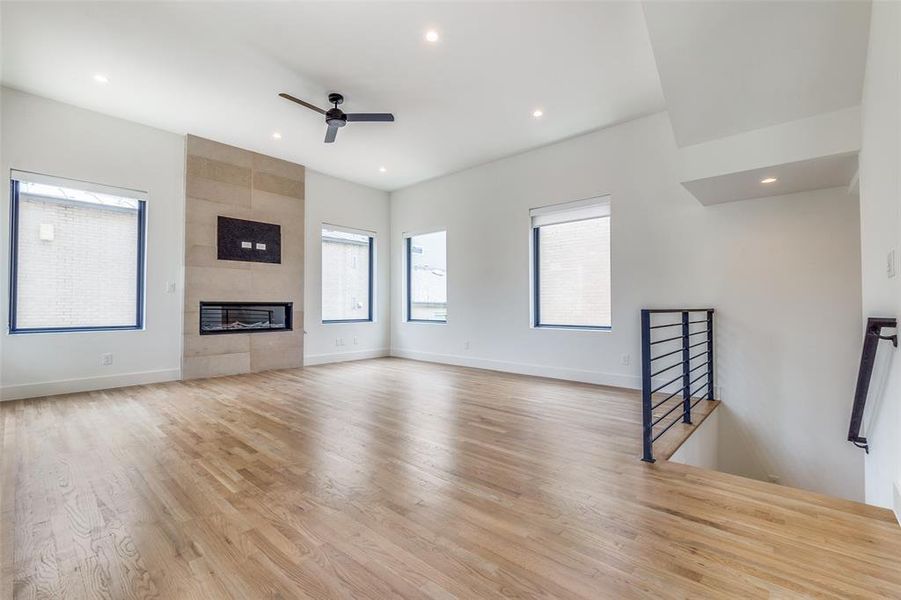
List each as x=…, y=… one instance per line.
x=338, y=202
x=44, y=136
x=701, y=449
x=880, y=201
x=782, y=272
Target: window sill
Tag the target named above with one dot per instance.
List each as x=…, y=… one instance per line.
x=340, y=321
x=574, y=328
x=73, y=330
x=427, y=321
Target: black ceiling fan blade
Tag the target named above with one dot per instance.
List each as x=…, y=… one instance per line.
x=371, y=117
x=301, y=102
x=330, y=134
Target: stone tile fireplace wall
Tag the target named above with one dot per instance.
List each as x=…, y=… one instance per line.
x=226, y=181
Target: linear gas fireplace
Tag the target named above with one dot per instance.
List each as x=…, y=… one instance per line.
x=244, y=317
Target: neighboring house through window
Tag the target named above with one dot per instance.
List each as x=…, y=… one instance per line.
x=426, y=258
x=571, y=265
x=347, y=274
x=77, y=260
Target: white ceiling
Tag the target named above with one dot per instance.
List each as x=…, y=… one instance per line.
x=729, y=67
x=215, y=69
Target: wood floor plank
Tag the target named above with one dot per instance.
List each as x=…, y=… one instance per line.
x=390, y=478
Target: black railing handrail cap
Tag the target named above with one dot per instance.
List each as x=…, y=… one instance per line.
x=675, y=310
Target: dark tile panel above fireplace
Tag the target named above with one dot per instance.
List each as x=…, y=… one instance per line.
x=249, y=241
x=245, y=317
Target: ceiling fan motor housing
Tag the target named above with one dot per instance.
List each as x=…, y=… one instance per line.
x=335, y=117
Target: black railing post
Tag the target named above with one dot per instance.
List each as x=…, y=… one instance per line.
x=710, y=395
x=647, y=452
x=686, y=367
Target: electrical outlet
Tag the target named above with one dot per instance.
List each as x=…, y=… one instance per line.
x=890, y=263
x=355, y=340
x=170, y=287
x=626, y=359
x=337, y=341
x=773, y=478
x=106, y=359
x=466, y=345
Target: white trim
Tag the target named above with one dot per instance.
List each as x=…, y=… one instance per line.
x=333, y=357
x=581, y=375
x=896, y=501
x=86, y=384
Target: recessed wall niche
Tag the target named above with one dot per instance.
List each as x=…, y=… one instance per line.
x=251, y=241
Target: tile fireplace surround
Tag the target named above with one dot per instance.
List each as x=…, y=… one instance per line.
x=226, y=181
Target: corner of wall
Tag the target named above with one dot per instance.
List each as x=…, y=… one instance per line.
x=896, y=503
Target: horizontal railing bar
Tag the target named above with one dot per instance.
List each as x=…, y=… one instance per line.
x=692, y=394
x=698, y=332
x=671, y=325
x=698, y=344
x=678, y=337
x=698, y=321
x=698, y=367
x=704, y=374
x=657, y=389
x=704, y=397
x=665, y=355
x=666, y=414
x=681, y=362
x=705, y=352
x=667, y=399
x=665, y=429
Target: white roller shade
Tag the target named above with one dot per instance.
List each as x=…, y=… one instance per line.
x=567, y=212
x=83, y=187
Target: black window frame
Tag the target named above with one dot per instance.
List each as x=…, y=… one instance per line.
x=14, y=272
x=536, y=290
x=369, y=318
x=408, y=255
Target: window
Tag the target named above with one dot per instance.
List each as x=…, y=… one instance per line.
x=77, y=260
x=571, y=265
x=347, y=257
x=427, y=277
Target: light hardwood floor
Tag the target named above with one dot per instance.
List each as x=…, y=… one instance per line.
x=392, y=478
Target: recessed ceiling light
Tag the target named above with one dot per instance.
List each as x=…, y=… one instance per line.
x=768, y=180
x=537, y=113
x=383, y=170
x=276, y=136
x=100, y=78
x=431, y=36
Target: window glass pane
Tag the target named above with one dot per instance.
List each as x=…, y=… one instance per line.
x=345, y=276
x=77, y=259
x=574, y=273
x=428, y=276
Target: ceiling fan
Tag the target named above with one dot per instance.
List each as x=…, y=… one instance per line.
x=336, y=118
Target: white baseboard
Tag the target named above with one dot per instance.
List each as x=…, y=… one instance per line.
x=332, y=357
x=85, y=384
x=896, y=501
x=583, y=376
